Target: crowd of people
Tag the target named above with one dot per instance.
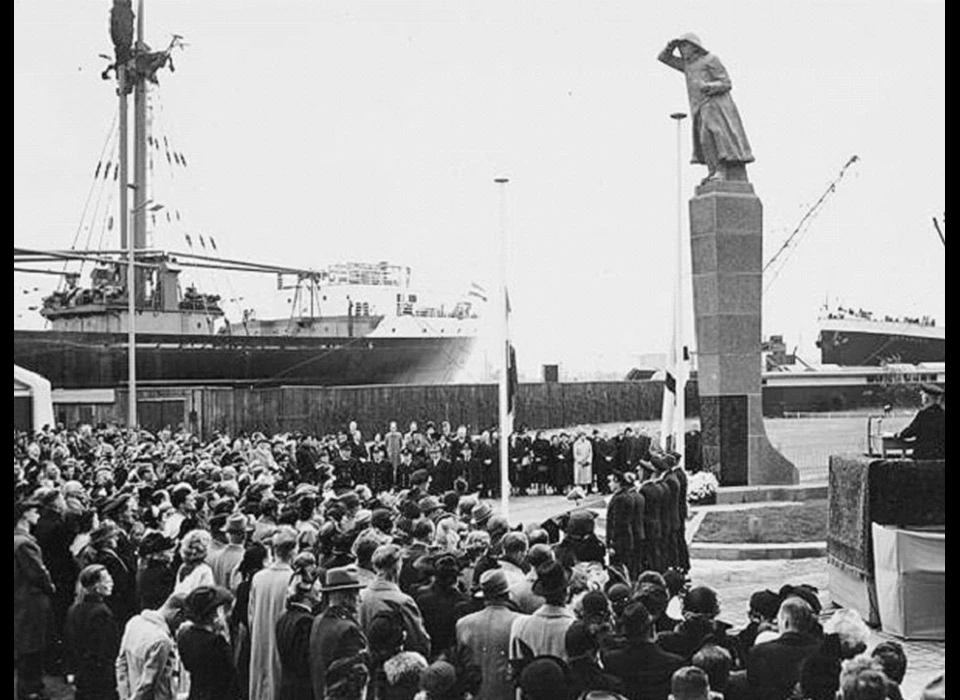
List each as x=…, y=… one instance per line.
x=160, y=566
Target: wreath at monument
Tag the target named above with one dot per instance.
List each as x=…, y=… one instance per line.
x=702, y=488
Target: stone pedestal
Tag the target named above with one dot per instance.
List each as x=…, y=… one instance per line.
x=726, y=239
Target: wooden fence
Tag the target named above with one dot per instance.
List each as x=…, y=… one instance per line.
x=324, y=409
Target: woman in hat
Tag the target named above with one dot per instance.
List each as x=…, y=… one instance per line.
x=336, y=633
x=155, y=576
x=439, y=601
x=348, y=679
x=102, y=549
x=203, y=646
x=194, y=571
x=394, y=672
x=254, y=559
x=91, y=636
x=293, y=630
x=438, y=681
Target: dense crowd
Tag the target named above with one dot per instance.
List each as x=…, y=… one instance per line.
x=160, y=566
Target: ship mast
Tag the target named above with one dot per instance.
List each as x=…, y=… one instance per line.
x=140, y=158
x=135, y=65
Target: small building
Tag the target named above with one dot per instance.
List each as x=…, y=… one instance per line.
x=32, y=400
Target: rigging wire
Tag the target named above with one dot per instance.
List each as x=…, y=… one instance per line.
x=785, y=249
x=107, y=141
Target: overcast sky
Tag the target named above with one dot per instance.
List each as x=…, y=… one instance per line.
x=324, y=132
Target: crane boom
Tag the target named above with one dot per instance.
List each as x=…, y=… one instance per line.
x=805, y=220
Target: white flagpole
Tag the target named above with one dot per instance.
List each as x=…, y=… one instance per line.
x=679, y=347
x=504, y=344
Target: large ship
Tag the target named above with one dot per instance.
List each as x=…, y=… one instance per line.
x=850, y=337
x=347, y=324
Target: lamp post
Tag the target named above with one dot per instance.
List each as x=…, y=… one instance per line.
x=132, y=316
x=679, y=340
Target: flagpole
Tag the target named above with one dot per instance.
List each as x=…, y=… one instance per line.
x=505, y=428
x=679, y=347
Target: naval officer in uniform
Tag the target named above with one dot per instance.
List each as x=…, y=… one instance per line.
x=927, y=431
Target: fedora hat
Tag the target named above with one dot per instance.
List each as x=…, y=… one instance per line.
x=428, y=504
x=481, y=513
x=342, y=578
x=238, y=522
x=493, y=584
x=552, y=578
x=932, y=389
x=203, y=600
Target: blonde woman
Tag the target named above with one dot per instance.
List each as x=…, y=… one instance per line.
x=194, y=571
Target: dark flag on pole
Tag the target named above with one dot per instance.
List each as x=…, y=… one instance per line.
x=512, y=382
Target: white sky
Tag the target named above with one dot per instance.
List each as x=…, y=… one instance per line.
x=344, y=130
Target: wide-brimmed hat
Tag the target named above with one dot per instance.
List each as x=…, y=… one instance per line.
x=305, y=490
x=349, y=499
x=156, y=542
x=343, y=578
x=580, y=523
x=481, y=513
x=205, y=599
x=428, y=504
x=20, y=508
x=283, y=535
x=552, y=578
x=932, y=389
x=493, y=584
x=437, y=563
x=238, y=522
x=103, y=532
x=420, y=476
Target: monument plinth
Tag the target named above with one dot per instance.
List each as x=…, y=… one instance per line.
x=726, y=241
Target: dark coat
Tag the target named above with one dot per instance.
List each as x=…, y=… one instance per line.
x=624, y=523
x=644, y=668
x=54, y=536
x=91, y=640
x=927, y=431
x=687, y=638
x=441, y=475
x=293, y=645
x=653, y=498
x=438, y=605
x=155, y=583
x=586, y=674
x=585, y=548
x=123, y=600
x=334, y=635
x=671, y=504
x=32, y=592
x=206, y=656
x=773, y=667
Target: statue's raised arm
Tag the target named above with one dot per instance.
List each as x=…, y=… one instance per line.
x=719, y=141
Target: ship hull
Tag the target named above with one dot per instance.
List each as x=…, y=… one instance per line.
x=847, y=347
x=99, y=360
